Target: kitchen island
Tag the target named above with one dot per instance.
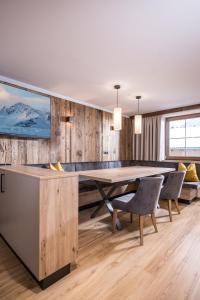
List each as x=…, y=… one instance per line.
x=39, y=219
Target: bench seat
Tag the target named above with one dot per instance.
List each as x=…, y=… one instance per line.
x=192, y=185
x=87, y=188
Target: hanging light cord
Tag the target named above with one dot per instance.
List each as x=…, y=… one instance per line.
x=117, y=99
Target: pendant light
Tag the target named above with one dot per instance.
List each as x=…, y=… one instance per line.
x=117, y=113
x=138, y=118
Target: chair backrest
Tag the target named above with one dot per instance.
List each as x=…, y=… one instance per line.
x=172, y=187
x=146, y=198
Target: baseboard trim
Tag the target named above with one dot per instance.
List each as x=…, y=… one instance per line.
x=51, y=279
x=46, y=282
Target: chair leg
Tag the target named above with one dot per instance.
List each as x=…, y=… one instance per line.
x=177, y=206
x=141, y=224
x=153, y=218
x=131, y=218
x=114, y=219
x=170, y=209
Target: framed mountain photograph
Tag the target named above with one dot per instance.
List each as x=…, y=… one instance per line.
x=24, y=113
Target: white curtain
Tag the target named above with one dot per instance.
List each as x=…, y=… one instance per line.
x=150, y=144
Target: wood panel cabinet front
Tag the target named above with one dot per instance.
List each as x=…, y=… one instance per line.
x=58, y=235
x=39, y=218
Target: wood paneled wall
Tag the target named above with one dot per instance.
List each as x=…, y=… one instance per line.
x=89, y=138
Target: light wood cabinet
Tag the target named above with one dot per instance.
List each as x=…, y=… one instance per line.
x=39, y=217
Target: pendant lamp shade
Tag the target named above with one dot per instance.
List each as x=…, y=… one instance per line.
x=117, y=118
x=138, y=124
x=138, y=119
x=117, y=113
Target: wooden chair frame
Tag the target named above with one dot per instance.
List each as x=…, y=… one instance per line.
x=141, y=223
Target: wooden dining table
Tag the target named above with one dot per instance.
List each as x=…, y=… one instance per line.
x=118, y=177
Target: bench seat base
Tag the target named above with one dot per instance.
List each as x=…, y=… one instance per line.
x=94, y=196
x=189, y=194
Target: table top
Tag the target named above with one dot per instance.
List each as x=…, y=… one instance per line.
x=36, y=172
x=123, y=174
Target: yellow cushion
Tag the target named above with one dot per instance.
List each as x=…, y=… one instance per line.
x=191, y=172
x=51, y=167
x=59, y=167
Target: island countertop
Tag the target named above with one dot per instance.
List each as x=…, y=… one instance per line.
x=40, y=173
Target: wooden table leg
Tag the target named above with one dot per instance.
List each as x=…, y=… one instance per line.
x=141, y=224
x=170, y=209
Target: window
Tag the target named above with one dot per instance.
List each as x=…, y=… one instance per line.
x=183, y=137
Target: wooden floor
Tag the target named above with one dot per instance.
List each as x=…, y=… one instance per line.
x=116, y=267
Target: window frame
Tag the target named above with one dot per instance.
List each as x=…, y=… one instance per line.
x=167, y=138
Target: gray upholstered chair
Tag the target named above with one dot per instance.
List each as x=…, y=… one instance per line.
x=143, y=202
x=172, y=189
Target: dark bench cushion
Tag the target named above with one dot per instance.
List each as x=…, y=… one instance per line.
x=86, y=185
x=151, y=163
x=121, y=163
x=192, y=185
x=115, y=164
x=45, y=166
x=91, y=166
x=70, y=167
x=89, y=185
x=83, y=166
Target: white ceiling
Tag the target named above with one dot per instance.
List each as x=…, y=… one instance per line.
x=81, y=48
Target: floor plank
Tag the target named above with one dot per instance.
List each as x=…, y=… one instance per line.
x=114, y=266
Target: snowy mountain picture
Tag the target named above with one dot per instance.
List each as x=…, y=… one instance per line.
x=23, y=113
